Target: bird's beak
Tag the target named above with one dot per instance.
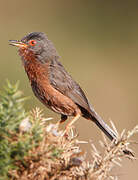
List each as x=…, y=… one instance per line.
x=17, y=44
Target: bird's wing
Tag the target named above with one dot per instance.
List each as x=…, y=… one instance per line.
x=64, y=83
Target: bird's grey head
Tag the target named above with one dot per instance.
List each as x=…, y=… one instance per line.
x=38, y=45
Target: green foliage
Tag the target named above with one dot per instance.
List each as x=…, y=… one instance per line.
x=11, y=114
x=55, y=152
x=14, y=145
x=11, y=108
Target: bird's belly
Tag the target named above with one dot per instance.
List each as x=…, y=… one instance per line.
x=54, y=100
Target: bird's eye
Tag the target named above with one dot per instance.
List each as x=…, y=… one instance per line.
x=32, y=42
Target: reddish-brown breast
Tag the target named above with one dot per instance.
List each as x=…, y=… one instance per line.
x=38, y=75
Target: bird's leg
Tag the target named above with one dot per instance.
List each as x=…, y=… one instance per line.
x=63, y=118
x=68, y=126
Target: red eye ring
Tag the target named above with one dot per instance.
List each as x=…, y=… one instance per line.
x=32, y=42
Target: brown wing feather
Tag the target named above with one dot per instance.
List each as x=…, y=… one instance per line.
x=64, y=83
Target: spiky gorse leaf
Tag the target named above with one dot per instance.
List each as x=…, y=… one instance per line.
x=19, y=130
x=11, y=114
x=11, y=107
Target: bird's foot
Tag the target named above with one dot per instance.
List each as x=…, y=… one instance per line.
x=68, y=132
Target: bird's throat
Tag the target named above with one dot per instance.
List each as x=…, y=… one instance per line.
x=26, y=55
x=36, y=70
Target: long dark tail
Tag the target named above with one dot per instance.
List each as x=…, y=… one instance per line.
x=102, y=125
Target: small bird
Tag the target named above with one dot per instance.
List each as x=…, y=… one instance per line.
x=52, y=84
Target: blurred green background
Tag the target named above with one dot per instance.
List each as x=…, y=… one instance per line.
x=97, y=42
